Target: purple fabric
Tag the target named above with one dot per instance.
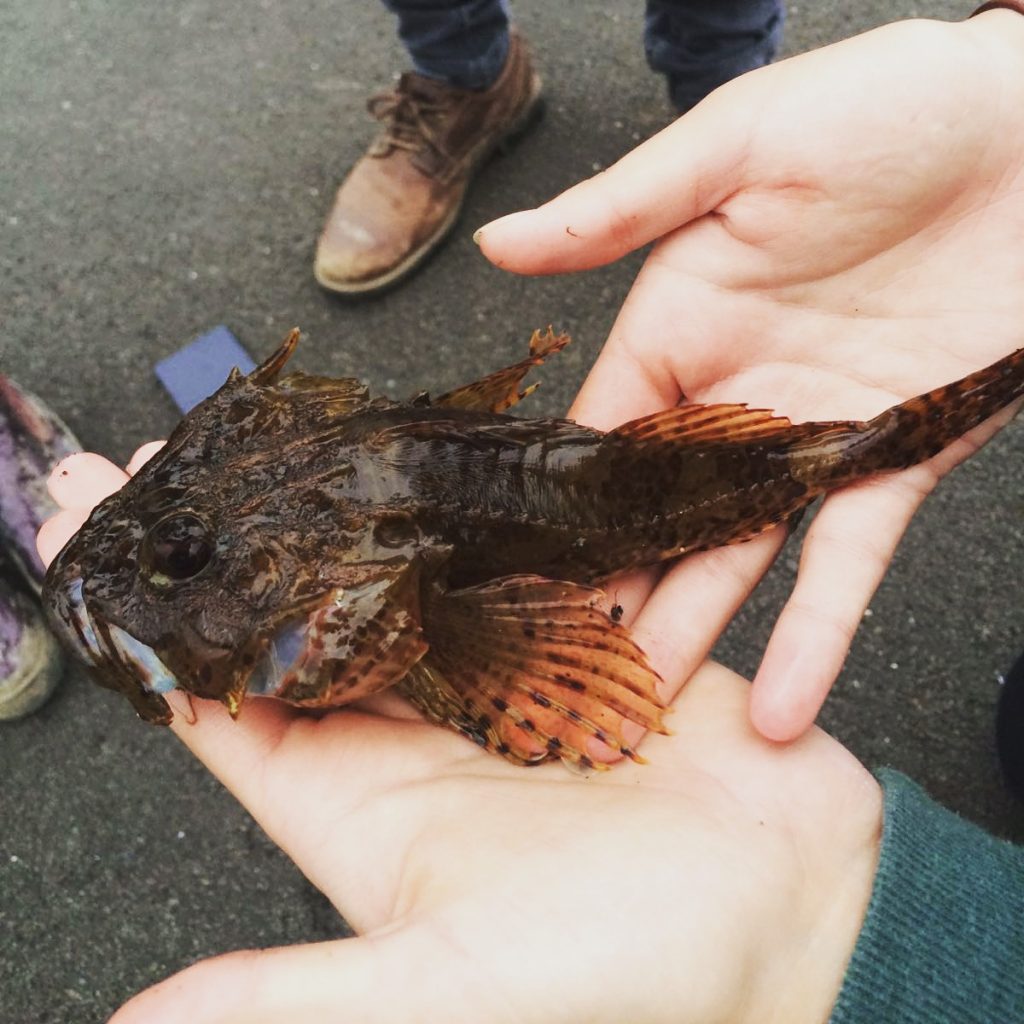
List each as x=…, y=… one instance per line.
x=32, y=441
x=11, y=628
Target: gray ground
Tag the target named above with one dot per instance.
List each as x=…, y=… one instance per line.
x=166, y=168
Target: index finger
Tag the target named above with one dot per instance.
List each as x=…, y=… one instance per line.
x=679, y=174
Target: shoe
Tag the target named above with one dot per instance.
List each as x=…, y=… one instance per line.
x=32, y=441
x=404, y=196
x=1010, y=728
x=30, y=659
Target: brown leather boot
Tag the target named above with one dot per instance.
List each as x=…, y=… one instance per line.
x=403, y=197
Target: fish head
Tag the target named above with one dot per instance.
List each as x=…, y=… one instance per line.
x=243, y=542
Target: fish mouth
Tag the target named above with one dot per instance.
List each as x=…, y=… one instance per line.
x=102, y=643
x=116, y=654
x=71, y=622
x=283, y=650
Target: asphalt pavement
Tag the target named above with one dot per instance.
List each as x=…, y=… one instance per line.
x=165, y=168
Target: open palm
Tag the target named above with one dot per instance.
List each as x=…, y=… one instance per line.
x=837, y=232
x=725, y=880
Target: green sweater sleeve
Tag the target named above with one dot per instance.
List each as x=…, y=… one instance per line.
x=943, y=940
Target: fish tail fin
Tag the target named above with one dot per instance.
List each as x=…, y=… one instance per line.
x=914, y=430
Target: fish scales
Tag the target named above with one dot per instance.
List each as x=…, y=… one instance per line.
x=298, y=539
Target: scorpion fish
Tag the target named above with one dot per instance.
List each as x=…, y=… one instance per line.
x=299, y=539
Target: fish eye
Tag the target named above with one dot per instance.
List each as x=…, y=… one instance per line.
x=395, y=530
x=177, y=548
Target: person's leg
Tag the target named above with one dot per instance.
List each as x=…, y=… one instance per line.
x=32, y=441
x=699, y=45
x=472, y=89
x=1010, y=728
x=461, y=42
x=30, y=660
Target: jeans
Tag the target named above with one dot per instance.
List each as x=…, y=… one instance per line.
x=696, y=44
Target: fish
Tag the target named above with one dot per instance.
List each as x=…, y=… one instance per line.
x=298, y=538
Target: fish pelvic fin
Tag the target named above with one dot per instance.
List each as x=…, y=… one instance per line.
x=533, y=669
x=500, y=390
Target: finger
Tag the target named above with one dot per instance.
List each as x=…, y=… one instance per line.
x=680, y=174
x=845, y=555
x=84, y=480
x=57, y=531
x=142, y=456
x=686, y=613
x=633, y=376
x=620, y=388
x=695, y=601
x=349, y=979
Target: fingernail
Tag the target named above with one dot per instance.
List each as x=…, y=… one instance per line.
x=501, y=220
x=477, y=234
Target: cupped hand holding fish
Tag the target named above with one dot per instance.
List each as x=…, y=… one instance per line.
x=727, y=879
x=834, y=232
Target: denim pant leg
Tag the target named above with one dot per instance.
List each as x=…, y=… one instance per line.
x=461, y=42
x=700, y=44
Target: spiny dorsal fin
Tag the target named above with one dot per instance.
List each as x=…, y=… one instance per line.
x=334, y=396
x=269, y=370
x=500, y=390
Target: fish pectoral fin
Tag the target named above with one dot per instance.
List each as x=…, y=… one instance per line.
x=716, y=424
x=354, y=642
x=500, y=390
x=532, y=669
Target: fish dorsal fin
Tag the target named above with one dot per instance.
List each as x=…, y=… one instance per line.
x=269, y=370
x=709, y=424
x=533, y=669
x=336, y=396
x=354, y=642
x=500, y=390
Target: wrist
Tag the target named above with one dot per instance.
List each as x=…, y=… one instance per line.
x=803, y=965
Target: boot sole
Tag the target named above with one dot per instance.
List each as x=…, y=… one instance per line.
x=384, y=282
x=27, y=691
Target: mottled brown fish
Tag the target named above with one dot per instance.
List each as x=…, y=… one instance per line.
x=299, y=539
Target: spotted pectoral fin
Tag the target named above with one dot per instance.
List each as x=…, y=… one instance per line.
x=352, y=643
x=533, y=668
x=500, y=390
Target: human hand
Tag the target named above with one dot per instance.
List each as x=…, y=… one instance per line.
x=837, y=232
x=726, y=880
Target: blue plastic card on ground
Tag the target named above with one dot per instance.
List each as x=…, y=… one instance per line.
x=197, y=370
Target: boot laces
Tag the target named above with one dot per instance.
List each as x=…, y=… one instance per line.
x=409, y=119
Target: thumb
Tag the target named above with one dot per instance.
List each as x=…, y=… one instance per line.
x=389, y=978
x=681, y=173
